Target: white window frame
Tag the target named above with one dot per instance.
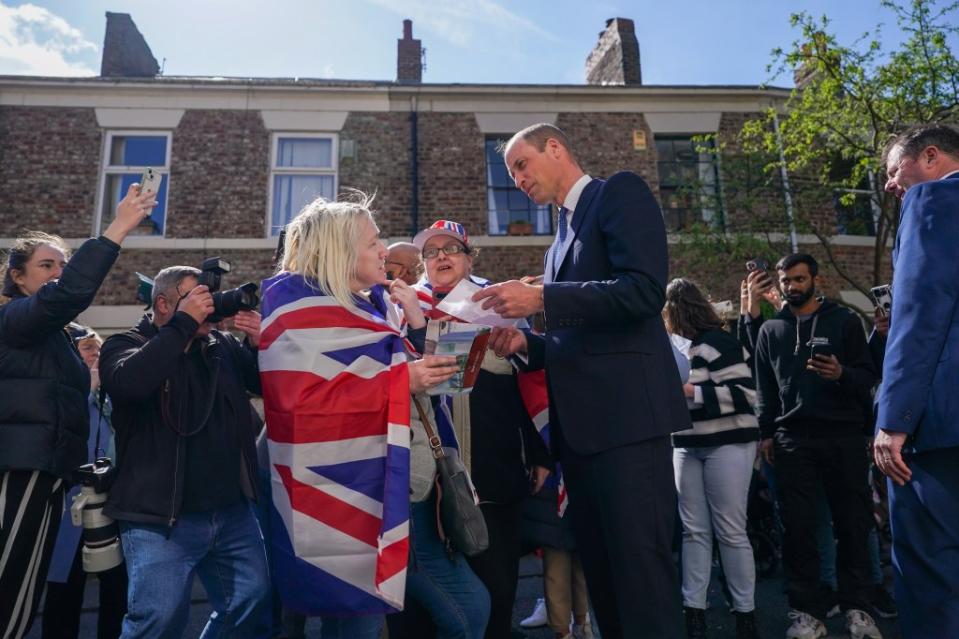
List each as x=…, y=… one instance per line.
x=106, y=169
x=290, y=170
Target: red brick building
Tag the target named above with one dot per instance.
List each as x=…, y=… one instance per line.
x=240, y=156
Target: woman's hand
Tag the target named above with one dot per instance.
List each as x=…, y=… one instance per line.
x=431, y=371
x=403, y=295
x=132, y=209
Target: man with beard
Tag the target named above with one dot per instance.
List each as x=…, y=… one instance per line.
x=814, y=375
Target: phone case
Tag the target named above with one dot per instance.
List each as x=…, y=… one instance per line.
x=150, y=181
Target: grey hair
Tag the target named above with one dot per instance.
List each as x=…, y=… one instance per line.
x=916, y=138
x=170, y=278
x=537, y=135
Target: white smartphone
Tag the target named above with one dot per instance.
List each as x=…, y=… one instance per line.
x=150, y=180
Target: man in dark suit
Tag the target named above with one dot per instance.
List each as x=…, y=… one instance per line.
x=614, y=389
x=917, y=424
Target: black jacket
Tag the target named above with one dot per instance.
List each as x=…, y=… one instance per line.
x=789, y=395
x=44, y=417
x=138, y=369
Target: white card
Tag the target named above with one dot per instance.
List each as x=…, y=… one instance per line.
x=459, y=303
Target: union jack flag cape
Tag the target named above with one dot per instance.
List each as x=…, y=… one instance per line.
x=532, y=388
x=336, y=395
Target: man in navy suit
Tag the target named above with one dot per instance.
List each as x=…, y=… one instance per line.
x=917, y=425
x=614, y=390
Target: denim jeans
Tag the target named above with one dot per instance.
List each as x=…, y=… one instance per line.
x=454, y=596
x=713, y=487
x=224, y=547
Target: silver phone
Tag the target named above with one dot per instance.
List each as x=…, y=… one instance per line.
x=150, y=181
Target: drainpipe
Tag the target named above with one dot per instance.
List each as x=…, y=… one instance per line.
x=414, y=166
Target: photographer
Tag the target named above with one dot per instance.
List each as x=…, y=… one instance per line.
x=43, y=407
x=814, y=375
x=185, y=440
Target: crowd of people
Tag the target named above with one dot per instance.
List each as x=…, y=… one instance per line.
x=617, y=423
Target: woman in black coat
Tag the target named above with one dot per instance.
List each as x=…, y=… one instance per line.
x=44, y=416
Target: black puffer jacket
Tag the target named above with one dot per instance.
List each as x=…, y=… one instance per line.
x=44, y=417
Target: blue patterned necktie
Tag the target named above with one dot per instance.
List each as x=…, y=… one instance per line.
x=562, y=229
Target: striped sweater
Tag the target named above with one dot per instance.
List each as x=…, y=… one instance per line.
x=725, y=393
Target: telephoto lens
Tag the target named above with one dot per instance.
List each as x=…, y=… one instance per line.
x=101, y=535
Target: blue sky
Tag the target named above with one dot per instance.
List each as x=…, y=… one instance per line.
x=486, y=41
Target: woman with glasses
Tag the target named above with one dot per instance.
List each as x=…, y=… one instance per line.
x=506, y=456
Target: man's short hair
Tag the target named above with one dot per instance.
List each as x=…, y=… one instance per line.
x=170, y=278
x=795, y=259
x=916, y=138
x=537, y=135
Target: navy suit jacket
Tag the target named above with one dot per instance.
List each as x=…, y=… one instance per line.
x=920, y=374
x=610, y=371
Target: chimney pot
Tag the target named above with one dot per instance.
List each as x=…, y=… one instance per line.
x=409, y=56
x=407, y=29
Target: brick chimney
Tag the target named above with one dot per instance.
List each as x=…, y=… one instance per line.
x=615, y=58
x=409, y=56
x=125, y=53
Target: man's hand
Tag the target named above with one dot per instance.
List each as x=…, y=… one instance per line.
x=430, y=371
x=689, y=390
x=248, y=323
x=887, y=449
x=198, y=304
x=766, y=450
x=512, y=299
x=882, y=323
x=758, y=286
x=537, y=477
x=826, y=366
x=403, y=295
x=507, y=341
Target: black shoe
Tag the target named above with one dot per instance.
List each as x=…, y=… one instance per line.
x=695, y=622
x=882, y=603
x=746, y=625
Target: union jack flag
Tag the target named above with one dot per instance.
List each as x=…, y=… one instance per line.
x=336, y=395
x=532, y=387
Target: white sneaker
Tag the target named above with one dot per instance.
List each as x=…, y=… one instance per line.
x=804, y=626
x=583, y=630
x=538, y=618
x=860, y=624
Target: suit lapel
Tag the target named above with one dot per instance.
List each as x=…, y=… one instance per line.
x=579, y=214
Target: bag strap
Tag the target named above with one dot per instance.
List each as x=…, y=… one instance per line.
x=436, y=445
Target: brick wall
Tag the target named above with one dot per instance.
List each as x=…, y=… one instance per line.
x=604, y=144
x=381, y=164
x=219, y=172
x=49, y=165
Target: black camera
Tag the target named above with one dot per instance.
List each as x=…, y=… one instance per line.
x=229, y=302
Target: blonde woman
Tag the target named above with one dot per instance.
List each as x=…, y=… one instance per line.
x=352, y=473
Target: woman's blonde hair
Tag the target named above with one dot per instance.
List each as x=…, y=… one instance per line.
x=321, y=243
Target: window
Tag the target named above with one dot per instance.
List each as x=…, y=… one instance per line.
x=126, y=155
x=303, y=168
x=688, y=182
x=506, y=204
x=858, y=216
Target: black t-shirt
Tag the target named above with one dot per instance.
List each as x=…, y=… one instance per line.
x=212, y=477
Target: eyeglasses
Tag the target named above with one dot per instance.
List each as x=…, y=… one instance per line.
x=452, y=249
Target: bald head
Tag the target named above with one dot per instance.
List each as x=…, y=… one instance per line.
x=403, y=262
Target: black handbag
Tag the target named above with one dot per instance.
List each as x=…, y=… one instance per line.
x=459, y=520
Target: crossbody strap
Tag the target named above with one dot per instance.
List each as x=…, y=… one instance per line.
x=436, y=445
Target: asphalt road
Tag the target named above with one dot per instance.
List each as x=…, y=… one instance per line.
x=770, y=607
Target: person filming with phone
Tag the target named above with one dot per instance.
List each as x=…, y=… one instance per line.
x=44, y=417
x=814, y=375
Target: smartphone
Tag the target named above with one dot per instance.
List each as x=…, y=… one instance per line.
x=882, y=295
x=150, y=181
x=819, y=346
x=757, y=264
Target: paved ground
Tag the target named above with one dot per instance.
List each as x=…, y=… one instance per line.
x=770, y=606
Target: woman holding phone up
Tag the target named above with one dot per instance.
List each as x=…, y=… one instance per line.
x=43, y=408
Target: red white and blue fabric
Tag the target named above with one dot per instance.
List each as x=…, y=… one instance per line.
x=336, y=396
x=452, y=227
x=532, y=388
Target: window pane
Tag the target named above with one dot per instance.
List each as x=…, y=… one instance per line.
x=518, y=200
x=496, y=175
x=314, y=153
x=292, y=192
x=497, y=199
x=498, y=220
x=138, y=150
x=116, y=187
